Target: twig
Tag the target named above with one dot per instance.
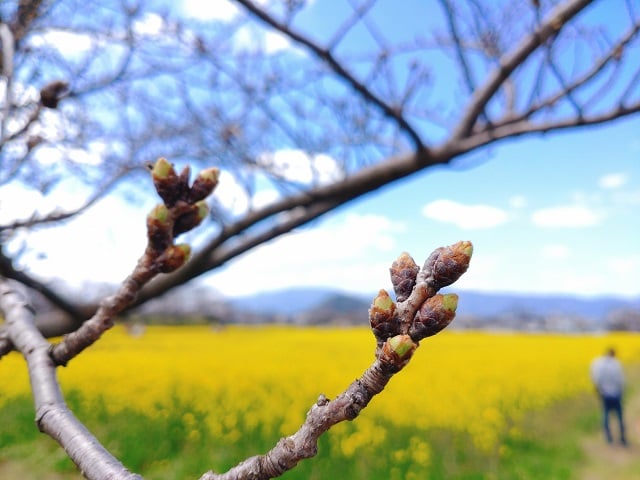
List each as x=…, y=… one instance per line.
x=556, y=20
x=183, y=209
x=398, y=330
x=339, y=69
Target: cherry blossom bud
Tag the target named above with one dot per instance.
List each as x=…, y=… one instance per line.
x=397, y=351
x=204, y=184
x=382, y=317
x=166, y=181
x=159, y=227
x=173, y=258
x=193, y=216
x=435, y=314
x=446, y=264
x=403, y=271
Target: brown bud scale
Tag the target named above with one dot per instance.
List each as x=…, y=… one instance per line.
x=404, y=271
x=435, y=314
x=446, y=264
x=382, y=317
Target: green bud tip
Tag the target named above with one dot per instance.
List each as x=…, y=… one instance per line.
x=160, y=213
x=450, y=302
x=203, y=210
x=401, y=345
x=210, y=174
x=185, y=248
x=383, y=301
x=162, y=168
x=466, y=247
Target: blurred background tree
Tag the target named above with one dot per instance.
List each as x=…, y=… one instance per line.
x=317, y=102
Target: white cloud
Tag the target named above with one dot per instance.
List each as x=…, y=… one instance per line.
x=566, y=216
x=149, y=24
x=517, y=201
x=248, y=38
x=298, y=166
x=263, y=198
x=102, y=245
x=222, y=10
x=352, y=253
x=70, y=43
x=18, y=203
x=624, y=265
x=465, y=216
x=230, y=194
x=555, y=251
x=613, y=180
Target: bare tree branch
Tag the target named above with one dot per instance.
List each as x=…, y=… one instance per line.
x=7, y=270
x=549, y=27
x=300, y=209
x=339, y=69
x=58, y=216
x=398, y=329
x=53, y=417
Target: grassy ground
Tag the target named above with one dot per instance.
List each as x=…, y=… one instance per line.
x=614, y=462
x=559, y=442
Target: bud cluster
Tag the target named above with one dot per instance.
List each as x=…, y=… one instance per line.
x=183, y=208
x=419, y=312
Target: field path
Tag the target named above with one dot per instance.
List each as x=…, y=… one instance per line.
x=614, y=462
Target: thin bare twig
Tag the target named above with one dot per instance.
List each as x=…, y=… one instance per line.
x=549, y=27
x=339, y=69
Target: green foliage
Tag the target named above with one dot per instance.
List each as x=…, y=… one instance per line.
x=172, y=442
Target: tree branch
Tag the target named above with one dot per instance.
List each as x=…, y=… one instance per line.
x=300, y=209
x=526, y=127
x=7, y=270
x=398, y=328
x=326, y=56
x=551, y=26
x=57, y=216
x=597, y=68
x=52, y=414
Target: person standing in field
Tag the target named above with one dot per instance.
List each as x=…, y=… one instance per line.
x=608, y=379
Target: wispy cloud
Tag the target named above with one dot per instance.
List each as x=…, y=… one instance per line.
x=468, y=217
x=612, y=180
x=555, y=251
x=569, y=216
x=351, y=253
x=298, y=166
x=221, y=10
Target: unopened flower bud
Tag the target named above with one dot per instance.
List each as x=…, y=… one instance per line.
x=173, y=258
x=193, y=216
x=382, y=317
x=162, y=169
x=404, y=271
x=166, y=181
x=397, y=351
x=204, y=184
x=159, y=227
x=446, y=264
x=435, y=314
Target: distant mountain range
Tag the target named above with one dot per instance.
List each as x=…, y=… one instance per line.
x=316, y=302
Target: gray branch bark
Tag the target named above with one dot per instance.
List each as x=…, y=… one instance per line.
x=53, y=417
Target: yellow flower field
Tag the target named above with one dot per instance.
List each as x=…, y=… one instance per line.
x=244, y=378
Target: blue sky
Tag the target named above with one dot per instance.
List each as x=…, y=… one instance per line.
x=558, y=213
x=548, y=214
